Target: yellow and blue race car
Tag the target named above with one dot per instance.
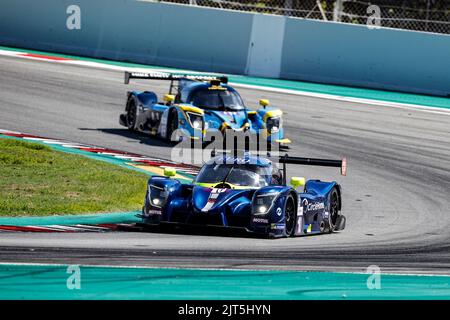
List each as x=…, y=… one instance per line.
x=196, y=104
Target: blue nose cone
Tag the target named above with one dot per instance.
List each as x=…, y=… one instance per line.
x=234, y=119
x=211, y=199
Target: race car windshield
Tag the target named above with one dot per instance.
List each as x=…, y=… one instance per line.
x=217, y=100
x=247, y=175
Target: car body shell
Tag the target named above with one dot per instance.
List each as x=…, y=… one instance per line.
x=153, y=116
x=206, y=205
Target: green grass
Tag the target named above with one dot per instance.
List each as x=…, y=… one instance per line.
x=36, y=180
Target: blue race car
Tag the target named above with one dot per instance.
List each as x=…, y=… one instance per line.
x=197, y=104
x=250, y=193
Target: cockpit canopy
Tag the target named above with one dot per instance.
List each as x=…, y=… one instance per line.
x=216, y=99
x=209, y=96
x=238, y=173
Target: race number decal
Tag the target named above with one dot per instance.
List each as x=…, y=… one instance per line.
x=215, y=192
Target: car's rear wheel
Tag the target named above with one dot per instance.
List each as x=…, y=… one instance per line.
x=290, y=216
x=172, y=123
x=333, y=210
x=131, y=115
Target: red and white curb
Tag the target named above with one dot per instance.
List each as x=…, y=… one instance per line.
x=131, y=157
x=85, y=63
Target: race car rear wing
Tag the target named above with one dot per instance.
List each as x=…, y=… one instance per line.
x=286, y=159
x=313, y=162
x=172, y=76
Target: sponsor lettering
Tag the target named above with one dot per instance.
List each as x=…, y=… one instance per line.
x=277, y=226
x=316, y=206
x=312, y=206
x=260, y=220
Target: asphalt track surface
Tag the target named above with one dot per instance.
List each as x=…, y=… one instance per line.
x=396, y=195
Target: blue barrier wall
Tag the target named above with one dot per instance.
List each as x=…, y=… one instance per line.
x=355, y=55
x=145, y=32
x=214, y=40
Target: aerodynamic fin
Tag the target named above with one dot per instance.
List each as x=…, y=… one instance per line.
x=172, y=76
x=313, y=162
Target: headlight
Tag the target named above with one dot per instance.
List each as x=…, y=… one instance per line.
x=157, y=196
x=196, y=120
x=263, y=202
x=273, y=124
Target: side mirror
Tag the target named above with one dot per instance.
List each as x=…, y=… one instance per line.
x=170, y=172
x=169, y=98
x=298, y=182
x=264, y=102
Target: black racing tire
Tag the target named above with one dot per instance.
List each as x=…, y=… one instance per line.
x=290, y=216
x=172, y=123
x=131, y=115
x=333, y=210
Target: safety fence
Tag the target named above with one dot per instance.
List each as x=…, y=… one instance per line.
x=419, y=15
